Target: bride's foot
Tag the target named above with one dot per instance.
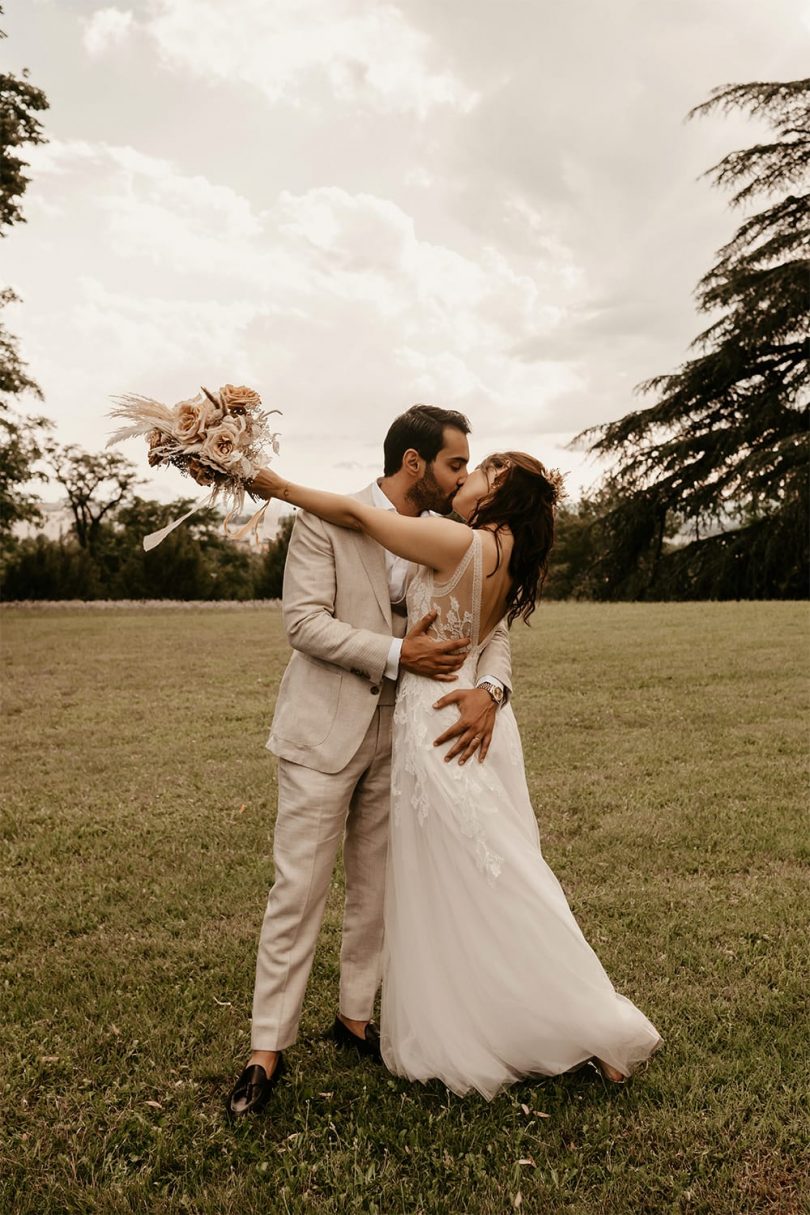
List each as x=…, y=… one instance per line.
x=610, y=1073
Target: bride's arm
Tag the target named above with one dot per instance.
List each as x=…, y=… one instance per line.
x=438, y=543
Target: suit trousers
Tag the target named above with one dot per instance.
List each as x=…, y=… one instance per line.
x=315, y=811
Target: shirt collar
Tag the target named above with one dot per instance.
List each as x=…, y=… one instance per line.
x=381, y=499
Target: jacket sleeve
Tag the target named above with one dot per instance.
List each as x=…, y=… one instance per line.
x=496, y=659
x=308, y=606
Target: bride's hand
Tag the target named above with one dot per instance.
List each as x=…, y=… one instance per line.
x=267, y=484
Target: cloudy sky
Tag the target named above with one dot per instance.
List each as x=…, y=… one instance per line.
x=493, y=205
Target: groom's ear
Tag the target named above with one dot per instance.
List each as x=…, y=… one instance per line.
x=413, y=463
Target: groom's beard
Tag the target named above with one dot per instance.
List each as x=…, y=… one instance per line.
x=428, y=495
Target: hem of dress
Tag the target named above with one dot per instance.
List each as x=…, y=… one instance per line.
x=489, y=1094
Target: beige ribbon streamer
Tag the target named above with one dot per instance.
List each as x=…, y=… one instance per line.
x=253, y=524
x=155, y=538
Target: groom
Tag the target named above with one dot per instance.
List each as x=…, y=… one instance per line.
x=345, y=617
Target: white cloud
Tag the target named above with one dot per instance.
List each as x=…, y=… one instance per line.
x=328, y=301
x=152, y=337
x=306, y=250
x=107, y=27
x=419, y=178
x=367, y=55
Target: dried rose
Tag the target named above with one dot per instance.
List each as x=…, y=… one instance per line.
x=241, y=426
x=239, y=399
x=189, y=421
x=193, y=418
x=222, y=446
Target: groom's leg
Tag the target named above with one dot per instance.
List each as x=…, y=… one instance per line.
x=365, y=850
x=312, y=809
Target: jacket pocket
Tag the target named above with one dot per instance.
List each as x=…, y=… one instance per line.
x=307, y=704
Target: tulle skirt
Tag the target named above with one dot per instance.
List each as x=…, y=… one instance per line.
x=487, y=977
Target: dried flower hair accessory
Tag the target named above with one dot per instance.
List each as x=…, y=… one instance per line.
x=219, y=439
x=556, y=480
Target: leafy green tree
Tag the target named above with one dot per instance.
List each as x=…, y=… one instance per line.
x=96, y=487
x=179, y=568
x=270, y=578
x=20, y=437
x=196, y=561
x=20, y=449
x=576, y=547
x=571, y=555
x=724, y=449
x=51, y=569
x=233, y=572
x=20, y=102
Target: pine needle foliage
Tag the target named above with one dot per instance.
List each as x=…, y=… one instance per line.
x=724, y=449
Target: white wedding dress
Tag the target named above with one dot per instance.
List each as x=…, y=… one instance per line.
x=487, y=977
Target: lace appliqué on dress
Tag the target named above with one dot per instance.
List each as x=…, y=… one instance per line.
x=411, y=738
x=455, y=624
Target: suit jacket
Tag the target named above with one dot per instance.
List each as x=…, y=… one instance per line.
x=338, y=619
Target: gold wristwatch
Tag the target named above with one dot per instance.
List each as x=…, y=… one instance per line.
x=495, y=692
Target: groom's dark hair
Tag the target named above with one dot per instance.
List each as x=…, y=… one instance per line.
x=422, y=428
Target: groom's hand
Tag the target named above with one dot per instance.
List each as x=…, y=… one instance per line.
x=424, y=655
x=473, y=730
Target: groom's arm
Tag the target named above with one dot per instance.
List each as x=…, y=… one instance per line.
x=308, y=606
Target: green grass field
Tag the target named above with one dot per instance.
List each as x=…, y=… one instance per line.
x=667, y=758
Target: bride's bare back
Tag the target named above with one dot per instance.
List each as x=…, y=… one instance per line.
x=496, y=582
x=472, y=601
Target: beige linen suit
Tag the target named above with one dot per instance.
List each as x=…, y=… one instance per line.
x=331, y=732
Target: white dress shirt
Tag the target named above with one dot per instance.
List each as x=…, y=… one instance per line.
x=399, y=572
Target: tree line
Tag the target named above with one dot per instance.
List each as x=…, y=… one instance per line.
x=101, y=556
x=707, y=493
x=194, y=562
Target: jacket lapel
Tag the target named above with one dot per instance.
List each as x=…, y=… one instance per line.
x=372, y=555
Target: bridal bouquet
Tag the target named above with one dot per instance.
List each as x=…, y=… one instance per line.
x=217, y=438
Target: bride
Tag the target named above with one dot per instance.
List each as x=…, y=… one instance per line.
x=487, y=977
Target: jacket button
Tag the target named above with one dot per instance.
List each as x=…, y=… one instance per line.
x=375, y=691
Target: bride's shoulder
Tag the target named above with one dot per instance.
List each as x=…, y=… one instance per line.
x=495, y=549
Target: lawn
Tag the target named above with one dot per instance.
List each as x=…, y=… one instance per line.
x=667, y=756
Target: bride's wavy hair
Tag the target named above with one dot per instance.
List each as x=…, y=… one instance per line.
x=523, y=498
